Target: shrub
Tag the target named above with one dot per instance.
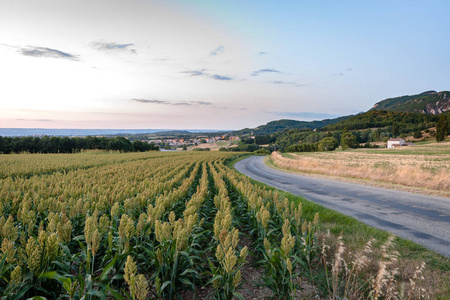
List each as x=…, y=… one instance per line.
x=304, y=147
x=328, y=144
x=262, y=151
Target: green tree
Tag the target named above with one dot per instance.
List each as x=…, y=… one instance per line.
x=328, y=144
x=395, y=130
x=348, y=140
x=2, y=145
x=263, y=139
x=441, y=128
x=417, y=134
x=376, y=135
x=365, y=135
x=140, y=146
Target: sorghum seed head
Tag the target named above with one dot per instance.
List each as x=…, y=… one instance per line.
x=244, y=253
x=130, y=270
x=289, y=265
x=141, y=287
x=16, y=276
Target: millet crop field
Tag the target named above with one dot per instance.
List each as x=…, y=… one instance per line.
x=184, y=225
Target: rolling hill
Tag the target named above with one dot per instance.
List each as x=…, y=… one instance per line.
x=430, y=102
x=410, y=112
x=280, y=125
x=383, y=118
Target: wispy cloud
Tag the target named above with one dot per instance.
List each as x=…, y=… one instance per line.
x=279, y=82
x=349, y=69
x=288, y=83
x=220, y=77
x=150, y=101
x=203, y=73
x=46, y=52
x=201, y=102
x=219, y=50
x=282, y=82
x=180, y=103
x=110, y=46
x=192, y=103
x=258, y=72
x=196, y=72
x=36, y=120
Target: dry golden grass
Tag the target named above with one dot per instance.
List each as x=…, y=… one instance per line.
x=424, y=166
x=379, y=271
x=215, y=146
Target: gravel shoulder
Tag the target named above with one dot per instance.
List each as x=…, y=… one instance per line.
x=423, y=219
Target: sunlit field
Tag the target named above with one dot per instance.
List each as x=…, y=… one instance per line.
x=423, y=166
x=184, y=225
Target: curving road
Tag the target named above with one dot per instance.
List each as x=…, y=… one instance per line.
x=419, y=218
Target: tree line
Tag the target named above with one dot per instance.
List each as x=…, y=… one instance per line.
x=381, y=118
x=55, y=144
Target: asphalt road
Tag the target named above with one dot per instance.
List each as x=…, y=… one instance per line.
x=419, y=218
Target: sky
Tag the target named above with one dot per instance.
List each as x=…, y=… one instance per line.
x=206, y=64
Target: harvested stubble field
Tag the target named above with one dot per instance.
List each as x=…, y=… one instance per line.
x=213, y=146
x=184, y=225
x=426, y=167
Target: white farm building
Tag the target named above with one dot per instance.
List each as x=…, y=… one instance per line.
x=393, y=143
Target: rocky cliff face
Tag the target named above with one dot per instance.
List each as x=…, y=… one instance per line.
x=440, y=106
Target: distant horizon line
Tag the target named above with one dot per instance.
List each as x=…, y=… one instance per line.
x=165, y=129
x=22, y=132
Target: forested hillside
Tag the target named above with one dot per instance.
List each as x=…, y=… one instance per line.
x=430, y=102
x=382, y=118
x=370, y=127
x=280, y=125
